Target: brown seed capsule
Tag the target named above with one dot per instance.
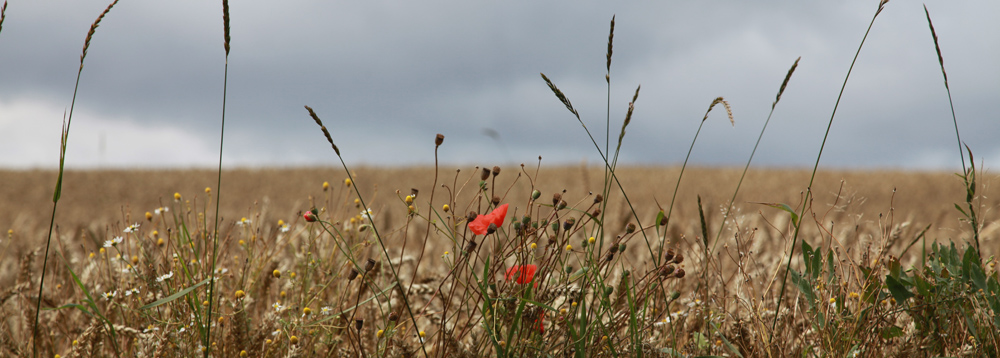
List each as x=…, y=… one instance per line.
x=630, y=228
x=562, y=204
x=485, y=175
x=358, y=323
x=496, y=200
x=665, y=271
x=496, y=170
x=352, y=275
x=470, y=247
x=369, y=265
x=393, y=316
x=439, y=139
x=491, y=229
x=598, y=199
x=679, y=258
x=596, y=213
x=679, y=273
x=472, y=216
x=568, y=224
x=670, y=255
x=610, y=256
x=556, y=198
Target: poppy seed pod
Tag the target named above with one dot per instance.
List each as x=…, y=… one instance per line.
x=670, y=255
x=667, y=270
x=496, y=170
x=470, y=247
x=393, y=316
x=359, y=323
x=679, y=273
x=472, y=216
x=369, y=265
x=556, y=198
x=679, y=258
x=596, y=213
x=535, y=194
x=438, y=140
x=562, y=204
x=352, y=275
x=496, y=200
x=630, y=228
x=598, y=199
x=485, y=175
x=491, y=229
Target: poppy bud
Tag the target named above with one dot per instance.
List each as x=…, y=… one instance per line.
x=491, y=229
x=621, y=247
x=679, y=273
x=525, y=220
x=496, y=170
x=485, y=175
x=438, y=140
x=670, y=255
x=630, y=228
x=556, y=198
x=496, y=200
x=369, y=265
x=309, y=216
x=679, y=258
x=352, y=275
x=568, y=224
x=472, y=216
x=535, y=194
x=598, y=199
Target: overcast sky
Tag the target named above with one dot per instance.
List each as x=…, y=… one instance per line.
x=386, y=76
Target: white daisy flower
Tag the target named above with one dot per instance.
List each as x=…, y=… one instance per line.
x=132, y=228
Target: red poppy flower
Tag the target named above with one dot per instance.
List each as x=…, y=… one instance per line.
x=541, y=322
x=309, y=216
x=522, y=274
x=481, y=224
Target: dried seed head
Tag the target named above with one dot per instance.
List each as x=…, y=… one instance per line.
x=472, y=216
x=679, y=273
x=359, y=323
x=496, y=170
x=393, y=316
x=496, y=200
x=369, y=265
x=630, y=228
x=470, y=247
x=438, y=140
x=670, y=255
x=485, y=175
x=599, y=198
x=352, y=275
x=562, y=204
x=667, y=270
x=556, y=198
x=491, y=229
x=610, y=256
x=568, y=224
x=679, y=258
x=596, y=213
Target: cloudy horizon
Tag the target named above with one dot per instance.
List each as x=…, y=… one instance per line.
x=385, y=77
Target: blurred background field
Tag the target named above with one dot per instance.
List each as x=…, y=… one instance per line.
x=101, y=202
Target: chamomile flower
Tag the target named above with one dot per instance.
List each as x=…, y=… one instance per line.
x=161, y=210
x=110, y=295
x=367, y=214
x=131, y=228
x=285, y=228
x=117, y=240
x=165, y=277
x=325, y=310
x=134, y=291
x=243, y=221
x=278, y=307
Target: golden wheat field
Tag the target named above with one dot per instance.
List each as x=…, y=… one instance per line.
x=281, y=277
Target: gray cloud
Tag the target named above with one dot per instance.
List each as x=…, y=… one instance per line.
x=387, y=76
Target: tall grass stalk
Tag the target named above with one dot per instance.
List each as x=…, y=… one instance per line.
x=218, y=186
x=64, y=140
x=381, y=244
x=970, y=186
x=812, y=177
x=747, y=167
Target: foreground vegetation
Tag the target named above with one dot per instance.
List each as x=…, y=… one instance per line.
x=472, y=267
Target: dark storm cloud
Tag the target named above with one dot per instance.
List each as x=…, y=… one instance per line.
x=386, y=77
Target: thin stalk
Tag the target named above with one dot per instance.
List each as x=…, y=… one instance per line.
x=958, y=137
x=747, y=167
x=207, y=344
x=395, y=274
x=58, y=189
x=805, y=200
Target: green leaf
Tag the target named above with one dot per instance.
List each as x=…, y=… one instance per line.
x=785, y=207
x=805, y=287
x=175, y=296
x=897, y=289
